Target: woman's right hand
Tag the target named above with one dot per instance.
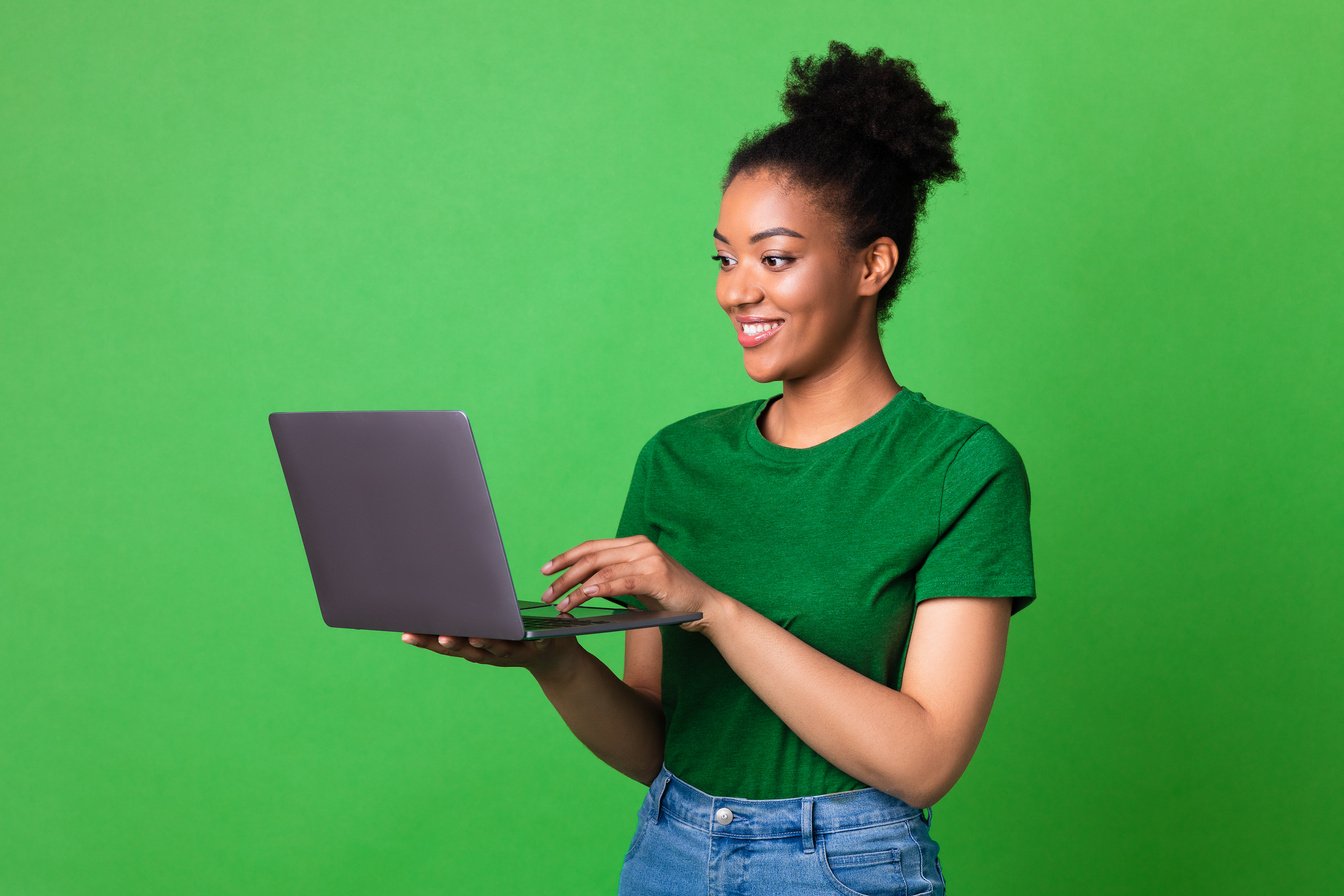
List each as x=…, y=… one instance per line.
x=540, y=656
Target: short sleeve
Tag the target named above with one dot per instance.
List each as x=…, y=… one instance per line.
x=634, y=517
x=983, y=544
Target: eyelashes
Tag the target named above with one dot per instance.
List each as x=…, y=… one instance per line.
x=781, y=258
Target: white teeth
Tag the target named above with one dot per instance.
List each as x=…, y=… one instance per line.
x=755, y=329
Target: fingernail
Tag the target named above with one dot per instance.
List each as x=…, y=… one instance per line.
x=563, y=605
x=591, y=589
x=475, y=642
x=546, y=567
x=443, y=639
x=545, y=595
x=406, y=638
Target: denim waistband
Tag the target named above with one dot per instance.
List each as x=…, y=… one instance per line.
x=756, y=819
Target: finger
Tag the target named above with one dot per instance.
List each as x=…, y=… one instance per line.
x=448, y=645
x=452, y=642
x=563, y=560
x=495, y=647
x=617, y=579
x=466, y=648
x=439, y=644
x=616, y=549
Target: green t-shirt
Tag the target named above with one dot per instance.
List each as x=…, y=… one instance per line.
x=837, y=543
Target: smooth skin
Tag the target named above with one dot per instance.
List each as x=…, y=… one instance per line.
x=914, y=743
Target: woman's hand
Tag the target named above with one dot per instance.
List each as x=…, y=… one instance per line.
x=541, y=656
x=607, y=567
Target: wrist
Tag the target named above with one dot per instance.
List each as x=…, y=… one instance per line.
x=560, y=663
x=717, y=614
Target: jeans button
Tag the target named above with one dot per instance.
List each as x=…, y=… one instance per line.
x=724, y=815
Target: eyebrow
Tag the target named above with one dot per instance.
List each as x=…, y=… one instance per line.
x=773, y=231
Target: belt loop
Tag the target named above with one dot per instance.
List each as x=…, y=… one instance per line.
x=809, y=842
x=660, y=790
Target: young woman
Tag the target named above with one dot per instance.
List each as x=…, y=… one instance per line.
x=794, y=735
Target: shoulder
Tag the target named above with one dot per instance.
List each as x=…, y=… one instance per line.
x=703, y=430
x=968, y=442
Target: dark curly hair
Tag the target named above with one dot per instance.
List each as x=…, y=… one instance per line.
x=866, y=140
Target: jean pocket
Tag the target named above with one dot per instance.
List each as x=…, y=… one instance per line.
x=643, y=819
x=865, y=861
x=641, y=828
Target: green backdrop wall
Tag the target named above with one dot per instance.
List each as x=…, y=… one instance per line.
x=214, y=211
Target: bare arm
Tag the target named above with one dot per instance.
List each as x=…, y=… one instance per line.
x=913, y=743
x=620, y=721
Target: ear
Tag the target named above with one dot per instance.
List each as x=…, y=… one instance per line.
x=878, y=263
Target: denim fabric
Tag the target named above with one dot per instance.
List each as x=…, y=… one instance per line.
x=856, y=843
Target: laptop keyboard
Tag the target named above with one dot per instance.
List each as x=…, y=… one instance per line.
x=534, y=622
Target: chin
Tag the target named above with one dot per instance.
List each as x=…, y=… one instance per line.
x=762, y=376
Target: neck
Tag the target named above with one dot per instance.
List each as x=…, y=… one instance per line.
x=819, y=407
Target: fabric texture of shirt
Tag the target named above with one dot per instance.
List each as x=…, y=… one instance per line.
x=837, y=543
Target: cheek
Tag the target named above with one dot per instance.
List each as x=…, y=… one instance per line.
x=808, y=302
x=796, y=294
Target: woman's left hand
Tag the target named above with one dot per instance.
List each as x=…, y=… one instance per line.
x=634, y=566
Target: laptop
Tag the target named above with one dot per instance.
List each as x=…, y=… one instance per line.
x=401, y=535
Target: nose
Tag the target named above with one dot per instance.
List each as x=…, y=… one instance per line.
x=737, y=292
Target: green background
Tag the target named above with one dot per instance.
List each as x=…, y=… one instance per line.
x=213, y=211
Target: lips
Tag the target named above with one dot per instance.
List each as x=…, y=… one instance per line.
x=748, y=340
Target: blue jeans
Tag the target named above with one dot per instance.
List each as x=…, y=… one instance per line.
x=856, y=843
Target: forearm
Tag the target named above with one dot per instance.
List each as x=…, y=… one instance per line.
x=622, y=727
x=875, y=733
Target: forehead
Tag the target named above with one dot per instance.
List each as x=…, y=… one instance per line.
x=757, y=202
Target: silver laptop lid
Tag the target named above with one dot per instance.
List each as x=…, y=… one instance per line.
x=397, y=523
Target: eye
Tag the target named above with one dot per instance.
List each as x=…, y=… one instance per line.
x=782, y=258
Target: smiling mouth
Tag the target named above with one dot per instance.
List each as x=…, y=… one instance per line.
x=753, y=334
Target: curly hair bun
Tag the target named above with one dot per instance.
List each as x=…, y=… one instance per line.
x=881, y=97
